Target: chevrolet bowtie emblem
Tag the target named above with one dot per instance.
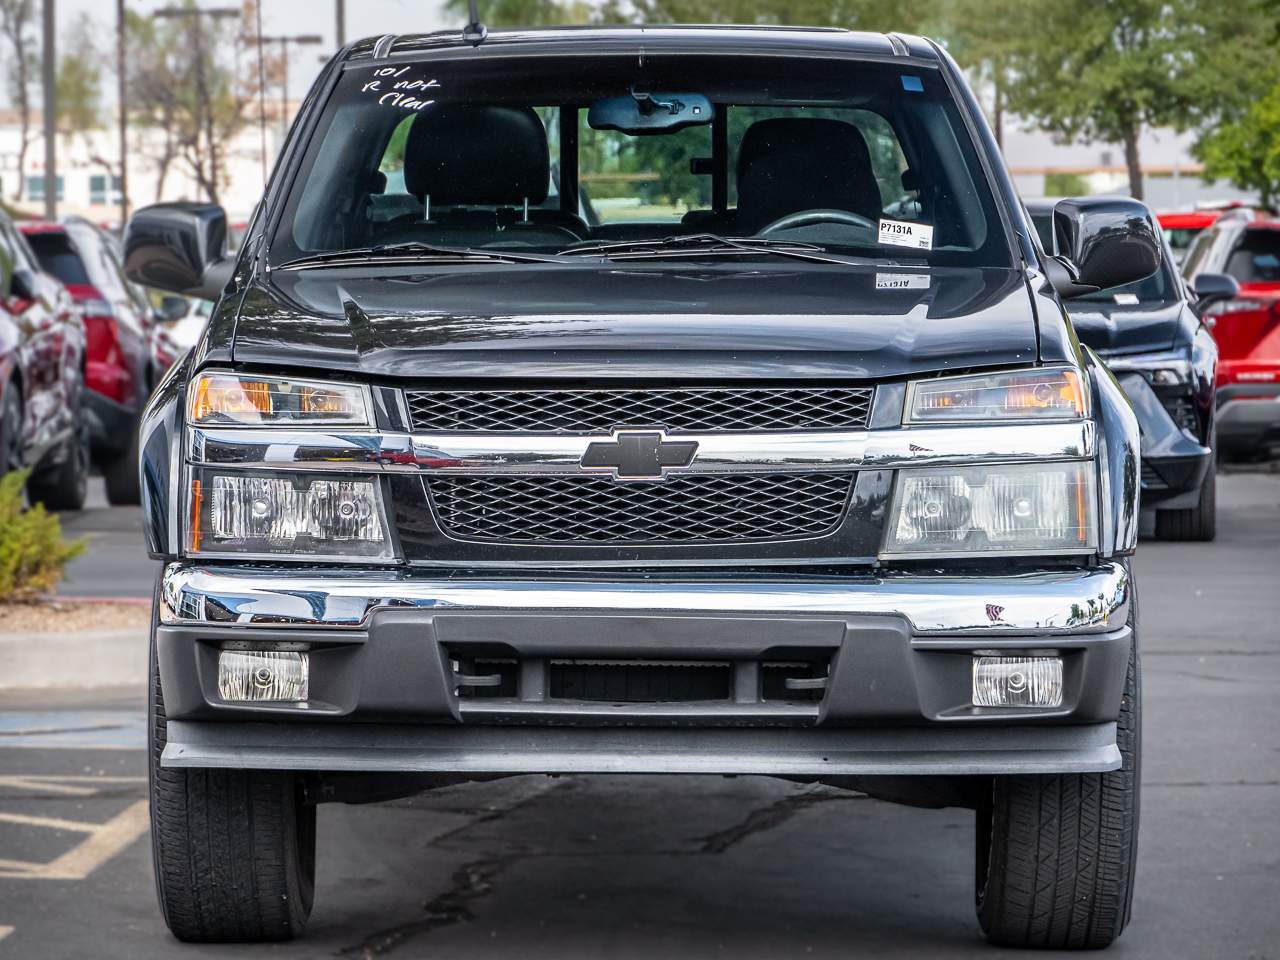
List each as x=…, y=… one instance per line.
x=638, y=455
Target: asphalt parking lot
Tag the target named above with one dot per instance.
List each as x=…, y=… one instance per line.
x=690, y=867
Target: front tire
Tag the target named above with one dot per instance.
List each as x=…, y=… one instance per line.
x=234, y=850
x=10, y=428
x=1056, y=854
x=1198, y=523
x=66, y=487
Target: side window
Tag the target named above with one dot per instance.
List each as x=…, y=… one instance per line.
x=1196, y=252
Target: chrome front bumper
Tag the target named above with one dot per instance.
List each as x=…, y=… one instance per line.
x=1041, y=603
x=388, y=651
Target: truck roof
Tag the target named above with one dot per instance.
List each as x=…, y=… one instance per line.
x=741, y=39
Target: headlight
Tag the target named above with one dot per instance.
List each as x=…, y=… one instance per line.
x=1054, y=394
x=226, y=399
x=296, y=515
x=1013, y=509
x=1163, y=369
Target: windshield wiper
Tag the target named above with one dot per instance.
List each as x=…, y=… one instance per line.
x=710, y=243
x=414, y=252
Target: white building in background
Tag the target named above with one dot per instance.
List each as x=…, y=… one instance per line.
x=1171, y=175
x=88, y=169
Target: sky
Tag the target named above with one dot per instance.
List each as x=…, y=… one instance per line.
x=364, y=18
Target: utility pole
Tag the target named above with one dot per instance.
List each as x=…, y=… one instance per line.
x=122, y=104
x=204, y=115
x=340, y=34
x=304, y=39
x=49, y=80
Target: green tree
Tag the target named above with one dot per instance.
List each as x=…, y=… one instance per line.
x=21, y=64
x=1107, y=71
x=79, y=80
x=1246, y=150
x=525, y=13
x=197, y=93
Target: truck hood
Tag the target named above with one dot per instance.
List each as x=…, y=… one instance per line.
x=1118, y=329
x=720, y=320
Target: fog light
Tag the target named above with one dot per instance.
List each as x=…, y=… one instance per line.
x=262, y=675
x=1017, y=682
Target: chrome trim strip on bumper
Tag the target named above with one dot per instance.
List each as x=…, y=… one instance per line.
x=496, y=454
x=1047, y=603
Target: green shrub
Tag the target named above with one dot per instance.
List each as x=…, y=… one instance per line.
x=33, y=550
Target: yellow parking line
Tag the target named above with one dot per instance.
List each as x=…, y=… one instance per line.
x=103, y=842
x=5, y=931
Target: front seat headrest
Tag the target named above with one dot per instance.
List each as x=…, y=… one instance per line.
x=477, y=155
x=789, y=164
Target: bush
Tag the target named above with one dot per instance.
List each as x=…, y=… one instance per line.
x=32, y=548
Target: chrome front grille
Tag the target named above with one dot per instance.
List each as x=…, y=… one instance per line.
x=689, y=508
x=673, y=409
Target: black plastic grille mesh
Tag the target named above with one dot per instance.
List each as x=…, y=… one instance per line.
x=1182, y=411
x=681, y=509
x=684, y=408
x=1152, y=480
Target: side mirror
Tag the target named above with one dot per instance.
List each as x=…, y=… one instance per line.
x=180, y=247
x=1211, y=288
x=172, y=308
x=1103, y=242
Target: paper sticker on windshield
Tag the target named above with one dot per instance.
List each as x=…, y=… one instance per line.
x=900, y=233
x=902, y=281
x=1127, y=299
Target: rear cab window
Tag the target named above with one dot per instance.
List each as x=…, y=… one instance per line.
x=59, y=257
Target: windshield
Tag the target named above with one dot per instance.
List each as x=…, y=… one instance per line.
x=1257, y=257
x=527, y=154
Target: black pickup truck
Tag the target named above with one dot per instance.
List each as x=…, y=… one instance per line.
x=630, y=401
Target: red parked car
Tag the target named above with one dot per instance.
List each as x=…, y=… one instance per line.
x=118, y=364
x=1246, y=328
x=41, y=381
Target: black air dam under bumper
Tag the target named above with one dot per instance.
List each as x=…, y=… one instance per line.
x=381, y=748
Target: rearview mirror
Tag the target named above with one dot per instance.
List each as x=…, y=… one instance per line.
x=642, y=113
x=1102, y=242
x=1211, y=288
x=180, y=247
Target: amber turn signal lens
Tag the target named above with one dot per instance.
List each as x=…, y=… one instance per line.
x=230, y=397
x=1019, y=395
x=226, y=399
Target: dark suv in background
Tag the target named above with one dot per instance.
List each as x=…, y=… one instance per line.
x=117, y=316
x=42, y=347
x=1152, y=336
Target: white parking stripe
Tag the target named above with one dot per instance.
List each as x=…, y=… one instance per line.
x=103, y=842
x=67, y=785
x=5, y=931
